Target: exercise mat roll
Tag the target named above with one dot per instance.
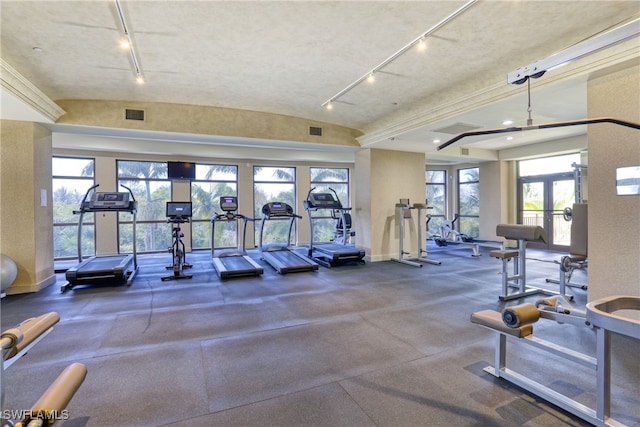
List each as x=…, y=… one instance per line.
x=520, y=315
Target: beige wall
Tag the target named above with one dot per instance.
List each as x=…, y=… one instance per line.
x=26, y=214
x=494, y=197
x=392, y=175
x=204, y=120
x=614, y=221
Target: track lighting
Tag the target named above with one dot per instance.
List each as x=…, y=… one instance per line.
x=371, y=78
x=127, y=43
x=420, y=40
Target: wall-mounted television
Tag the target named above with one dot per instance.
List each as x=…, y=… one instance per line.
x=181, y=170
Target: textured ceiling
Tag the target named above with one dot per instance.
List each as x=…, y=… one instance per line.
x=289, y=57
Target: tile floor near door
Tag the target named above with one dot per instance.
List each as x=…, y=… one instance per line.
x=381, y=344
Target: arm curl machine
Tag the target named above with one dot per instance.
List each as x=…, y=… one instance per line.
x=517, y=322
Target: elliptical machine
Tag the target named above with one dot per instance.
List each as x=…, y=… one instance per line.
x=178, y=213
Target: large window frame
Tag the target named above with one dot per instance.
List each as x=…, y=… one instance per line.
x=469, y=201
x=152, y=189
x=213, y=181
x=274, y=184
x=323, y=179
x=436, y=199
x=70, y=180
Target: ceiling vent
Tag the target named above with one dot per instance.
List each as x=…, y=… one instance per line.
x=464, y=151
x=457, y=128
x=134, y=114
x=315, y=131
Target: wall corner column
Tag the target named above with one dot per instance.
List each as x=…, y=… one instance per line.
x=26, y=211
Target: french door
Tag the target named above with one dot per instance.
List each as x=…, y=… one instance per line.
x=542, y=200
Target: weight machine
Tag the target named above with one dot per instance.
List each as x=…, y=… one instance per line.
x=404, y=212
x=450, y=236
x=606, y=316
x=51, y=406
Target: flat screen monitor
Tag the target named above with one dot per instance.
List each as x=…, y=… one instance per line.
x=182, y=209
x=181, y=170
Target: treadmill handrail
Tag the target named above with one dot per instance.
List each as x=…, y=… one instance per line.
x=132, y=208
x=228, y=217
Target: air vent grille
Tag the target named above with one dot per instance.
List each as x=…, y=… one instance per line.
x=134, y=114
x=315, y=131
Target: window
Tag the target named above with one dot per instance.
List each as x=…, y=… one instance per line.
x=469, y=201
x=212, y=182
x=71, y=178
x=273, y=184
x=436, y=196
x=152, y=190
x=324, y=179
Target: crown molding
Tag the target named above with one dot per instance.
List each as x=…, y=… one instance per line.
x=13, y=82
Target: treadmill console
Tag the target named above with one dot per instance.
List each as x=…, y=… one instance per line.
x=115, y=200
x=229, y=203
x=323, y=201
x=277, y=209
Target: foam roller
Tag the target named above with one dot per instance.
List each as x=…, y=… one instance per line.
x=520, y=315
x=59, y=394
x=32, y=329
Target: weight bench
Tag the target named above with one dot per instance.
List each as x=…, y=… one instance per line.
x=522, y=234
x=577, y=258
x=50, y=407
x=516, y=323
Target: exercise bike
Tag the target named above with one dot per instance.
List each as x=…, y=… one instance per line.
x=178, y=213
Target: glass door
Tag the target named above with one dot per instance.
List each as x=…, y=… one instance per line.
x=542, y=201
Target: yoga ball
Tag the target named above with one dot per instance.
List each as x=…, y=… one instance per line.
x=9, y=271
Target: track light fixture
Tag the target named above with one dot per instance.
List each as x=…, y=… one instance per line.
x=127, y=43
x=420, y=40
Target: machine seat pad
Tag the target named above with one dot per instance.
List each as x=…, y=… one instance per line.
x=503, y=254
x=493, y=319
x=530, y=233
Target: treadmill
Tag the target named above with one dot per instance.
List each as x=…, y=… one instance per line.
x=339, y=251
x=232, y=262
x=116, y=269
x=279, y=255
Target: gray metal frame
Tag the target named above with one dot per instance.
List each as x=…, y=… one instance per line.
x=601, y=316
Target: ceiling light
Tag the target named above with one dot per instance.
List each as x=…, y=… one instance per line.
x=436, y=141
x=509, y=138
x=422, y=44
x=37, y=49
x=330, y=105
x=371, y=78
x=405, y=48
x=507, y=122
x=128, y=44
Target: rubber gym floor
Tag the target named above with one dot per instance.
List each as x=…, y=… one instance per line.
x=380, y=344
